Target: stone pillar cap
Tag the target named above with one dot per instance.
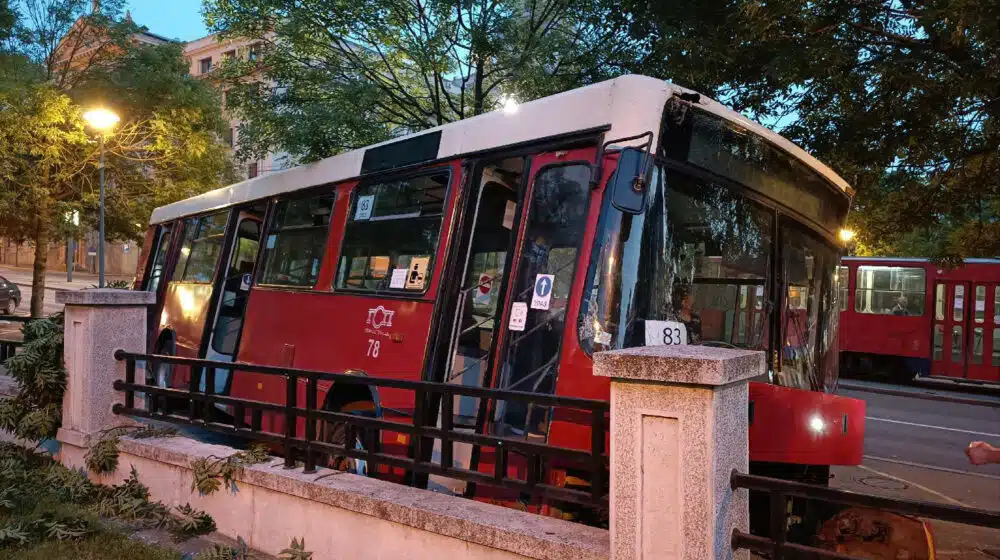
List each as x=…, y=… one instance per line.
x=688, y=365
x=105, y=296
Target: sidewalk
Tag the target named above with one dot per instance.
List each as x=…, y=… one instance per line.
x=56, y=280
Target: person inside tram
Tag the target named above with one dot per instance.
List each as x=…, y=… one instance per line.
x=982, y=453
x=683, y=301
x=900, y=308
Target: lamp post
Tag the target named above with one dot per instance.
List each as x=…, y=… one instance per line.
x=102, y=120
x=73, y=219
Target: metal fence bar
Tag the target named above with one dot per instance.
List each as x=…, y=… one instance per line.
x=423, y=430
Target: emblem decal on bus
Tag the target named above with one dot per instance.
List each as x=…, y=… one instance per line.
x=379, y=317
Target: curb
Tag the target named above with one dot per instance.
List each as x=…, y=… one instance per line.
x=918, y=395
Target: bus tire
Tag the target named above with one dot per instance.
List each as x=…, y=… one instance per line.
x=336, y=433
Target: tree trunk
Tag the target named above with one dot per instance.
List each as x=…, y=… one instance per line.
x=41, y=257
x=478, y=102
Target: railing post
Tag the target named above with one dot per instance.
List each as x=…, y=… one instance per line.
x=97, y=322
x=678, y=429
x=291, y=392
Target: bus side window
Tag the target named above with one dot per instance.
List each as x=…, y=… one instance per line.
x=296, y=240
x=159, y=259
x=392, y=234
x=201, y=249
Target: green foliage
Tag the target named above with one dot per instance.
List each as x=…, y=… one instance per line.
x=62, y=57
x=899, y=96
x=296, y=551
x=210, y=473
x=102, y=457
x=34, y=414
x=42, y=502
x=353, y=73
x=190, y=521
x=218, y=552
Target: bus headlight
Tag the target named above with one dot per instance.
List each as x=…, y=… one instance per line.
x=817, y=424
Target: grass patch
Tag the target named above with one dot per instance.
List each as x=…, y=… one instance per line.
x=50, y=512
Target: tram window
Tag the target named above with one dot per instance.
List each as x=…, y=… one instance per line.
x=392, y=235
x=996, y=308
x=890, y=290
x=843, y=279
x=201, y=248
x=939, y=342
x=996, y=347
x=956, y=344
x=296, y=240
x=959, y=307
x=159, y=259
x=980, y=304
x=939, y=296
x=977, y=346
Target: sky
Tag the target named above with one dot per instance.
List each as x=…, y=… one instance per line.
x=174, y=19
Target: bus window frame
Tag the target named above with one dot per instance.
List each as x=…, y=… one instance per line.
x=181, y=222
x=267, y=229
x=447, y=211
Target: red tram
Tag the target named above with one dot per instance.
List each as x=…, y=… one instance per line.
x=418, y=259
x=910, y=318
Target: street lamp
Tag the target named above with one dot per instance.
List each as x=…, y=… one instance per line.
x=101, y=120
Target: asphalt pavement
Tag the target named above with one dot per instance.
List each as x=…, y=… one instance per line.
x=915, y=449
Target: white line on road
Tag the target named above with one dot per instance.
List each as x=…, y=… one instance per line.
x=915, y=425
x=931, y=467
x=911, y=483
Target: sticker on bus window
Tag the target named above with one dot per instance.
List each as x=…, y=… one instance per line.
x=666, y=333
x=270, y=240
x=417, y=273
x=542, y=298
x=518, y=316
x=398, y=280
x=364, y=208
x=508, y=214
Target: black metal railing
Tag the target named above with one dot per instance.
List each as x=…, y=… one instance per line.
x=10, y=347
x=429, y=423
x=779, y=491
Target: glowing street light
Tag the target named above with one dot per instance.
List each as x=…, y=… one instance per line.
x=101, y=120
x=846, y=235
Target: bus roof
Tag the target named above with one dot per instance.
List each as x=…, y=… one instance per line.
x=899, y=260
x=626, y=106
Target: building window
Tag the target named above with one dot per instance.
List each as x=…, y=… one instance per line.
x=296, y=241
x=392, y=235
x=890, y=290
x=228, y=55
x=252, y=170
x=254, y=52
x=229, y=137
x=205, y=65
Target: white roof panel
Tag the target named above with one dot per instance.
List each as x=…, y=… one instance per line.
x=629, y=106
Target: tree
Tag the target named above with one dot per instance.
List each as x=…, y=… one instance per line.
x=331, y=75
x=901, y=96
x=165, y=148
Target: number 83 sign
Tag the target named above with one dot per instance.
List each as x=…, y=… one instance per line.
x=666, y=333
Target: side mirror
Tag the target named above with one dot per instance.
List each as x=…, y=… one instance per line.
x=630, y=183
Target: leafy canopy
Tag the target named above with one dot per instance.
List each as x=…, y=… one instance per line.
x=330, y=75
x=902, y=97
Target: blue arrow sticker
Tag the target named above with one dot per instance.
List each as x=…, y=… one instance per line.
x=542, y=298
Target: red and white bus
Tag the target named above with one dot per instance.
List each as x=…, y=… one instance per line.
x=504, y=250
x=908, y=317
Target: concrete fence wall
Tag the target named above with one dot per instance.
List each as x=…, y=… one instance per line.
x=679, y=427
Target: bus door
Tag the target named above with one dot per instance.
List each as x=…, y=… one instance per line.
x=521, y=259
x=966, y=332
x=232, y=290
x=948, y=339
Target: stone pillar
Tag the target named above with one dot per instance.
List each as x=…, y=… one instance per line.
x=98, y=322
x=678, y=429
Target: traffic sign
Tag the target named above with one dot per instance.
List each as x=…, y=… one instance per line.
x=542, y=298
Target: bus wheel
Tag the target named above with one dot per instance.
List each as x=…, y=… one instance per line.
x=336, y=433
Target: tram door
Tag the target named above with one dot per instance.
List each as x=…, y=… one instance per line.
x=966, y=333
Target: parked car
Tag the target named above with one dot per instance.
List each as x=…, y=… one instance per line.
x=10, y=296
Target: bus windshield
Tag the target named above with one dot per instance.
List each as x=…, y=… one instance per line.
x=703, y=256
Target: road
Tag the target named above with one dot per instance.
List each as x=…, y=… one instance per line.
x=915, y=449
